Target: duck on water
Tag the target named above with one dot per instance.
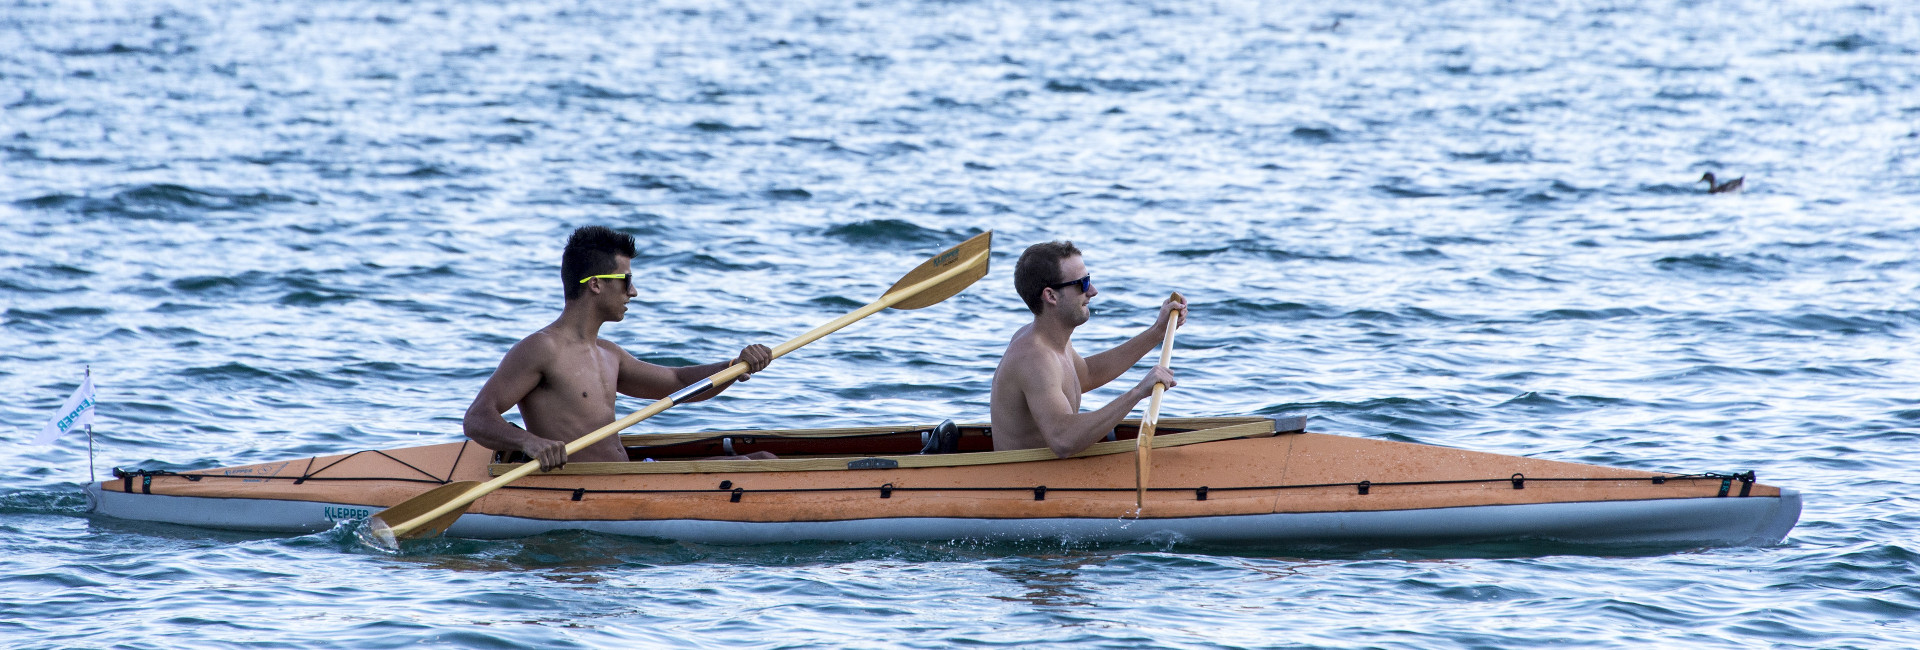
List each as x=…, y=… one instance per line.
x=1722, y=188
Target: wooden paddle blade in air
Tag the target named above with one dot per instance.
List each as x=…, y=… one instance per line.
x=1143, y=443
x=385, y=535
x=965, y=253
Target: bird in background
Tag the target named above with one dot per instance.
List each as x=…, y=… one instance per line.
x=1722, y=188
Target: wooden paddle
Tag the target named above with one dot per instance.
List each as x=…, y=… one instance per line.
x=1143, y=444
x=933, y=281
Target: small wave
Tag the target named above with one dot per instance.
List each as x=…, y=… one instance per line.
x=1836, y=324
x=231, y=372
x=1717, y=264
x=1388, y=414
x=1316, y=134
x=836, y=303
x=892, y=233
x=1849, y=43
x=311, y=298
x=669, y=182
x=788, y=194
x=28, y=502
x=1109, y=85
x=54, y=315
x=159, y=201
x=1531, y=401
x=716, y=126
x=937, y=392
x=1265, y=310
x=1495, y=157
x=703, y=261
x=590, y=91
x=117, y=49
x=1251, y=248
x=206, y=284
x=1403, y=188
x=1593, y=314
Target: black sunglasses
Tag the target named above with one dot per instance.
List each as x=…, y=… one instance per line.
x=1085, y=282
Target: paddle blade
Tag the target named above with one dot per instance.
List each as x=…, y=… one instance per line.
x=393, y=524
x=973, y=251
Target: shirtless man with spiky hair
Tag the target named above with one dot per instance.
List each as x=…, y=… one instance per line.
x=1037, y=389
x=564, y=376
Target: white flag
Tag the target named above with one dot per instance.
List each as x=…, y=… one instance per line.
x=76, y=413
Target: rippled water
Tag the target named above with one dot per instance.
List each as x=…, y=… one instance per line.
x=278, y=229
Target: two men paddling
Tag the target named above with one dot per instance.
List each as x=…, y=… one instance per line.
x=1036, y=389
x=564, y=376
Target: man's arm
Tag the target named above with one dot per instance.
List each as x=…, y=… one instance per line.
x=645, y=380
x=1108, y=366
x=1066, y=431
x=518, y=375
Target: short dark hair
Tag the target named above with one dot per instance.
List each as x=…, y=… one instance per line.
x=1038, y=268
x=591, y=251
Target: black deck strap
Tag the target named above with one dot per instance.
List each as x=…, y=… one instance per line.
x=886, y=491
x=1364, y=486
x=578, y=493
x=736, y=494
x=1746, y=482
x=1040, y=493
x=126, y=481
x=311, y=473
x=1519, y=481
x=1725, y=485
x=456, y=462
x=146, y=484
x=1200, y=493
x=726, y=485
x=1295, y=424
x=1659, y=480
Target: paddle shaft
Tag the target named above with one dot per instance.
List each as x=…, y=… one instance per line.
x=1143, y=443
x=730, y=373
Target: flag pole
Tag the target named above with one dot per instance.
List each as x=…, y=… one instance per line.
x=92, y=477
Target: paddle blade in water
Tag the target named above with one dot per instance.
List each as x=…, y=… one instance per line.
x=394, y=523
x=973, y=251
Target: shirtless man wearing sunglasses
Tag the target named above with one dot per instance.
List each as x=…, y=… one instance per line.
x=1037, y=388
x=564, y=376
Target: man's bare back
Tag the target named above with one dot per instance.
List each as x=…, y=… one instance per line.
x=1038, y=384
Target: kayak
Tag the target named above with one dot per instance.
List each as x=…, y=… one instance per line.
x=1225, y=480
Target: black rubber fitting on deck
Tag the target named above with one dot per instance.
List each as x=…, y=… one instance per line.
x=1365, y=486
x=736, y=494
x=578, y=493
x=886, y=491
x=1519, y=481
x=1040, y=493
x=1200, y=493
x=726, y=485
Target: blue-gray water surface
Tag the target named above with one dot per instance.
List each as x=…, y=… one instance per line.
x=275, y=229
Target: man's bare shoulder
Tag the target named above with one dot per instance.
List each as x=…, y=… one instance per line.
x=1027, y=356
x=533, y=352
x=615, y=349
